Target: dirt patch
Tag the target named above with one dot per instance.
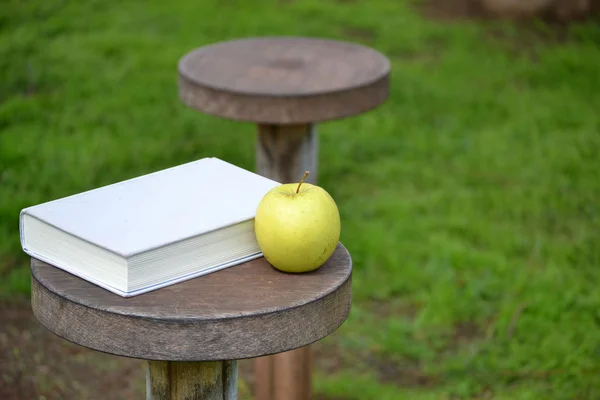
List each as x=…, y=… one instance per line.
x=392, y=308
x=404, y=376
x=453, y=9
x=363, y=35
x=323, y=397
x=466, y=332
x=37, y=364
x=556, y=11
x=7, y=264
x=527, y=34
x=330, y=357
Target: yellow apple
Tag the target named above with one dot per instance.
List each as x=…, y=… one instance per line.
x=297, y=226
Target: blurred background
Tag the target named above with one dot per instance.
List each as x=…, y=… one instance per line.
x=469, y=200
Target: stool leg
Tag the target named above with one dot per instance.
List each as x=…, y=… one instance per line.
x=263, y=378
x=283, y=153
x=292, y=374
x=179, y=380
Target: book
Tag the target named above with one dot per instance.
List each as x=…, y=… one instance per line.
x=151, y=231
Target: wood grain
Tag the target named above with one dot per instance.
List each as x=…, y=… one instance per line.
x=181, y=380
x=230, y=380
x=284, y=152
x=263, y=378
x=158, y=385
x=291, y=377
x=245, y=311
x=284, y=80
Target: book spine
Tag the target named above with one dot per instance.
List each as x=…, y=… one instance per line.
x=22, y=229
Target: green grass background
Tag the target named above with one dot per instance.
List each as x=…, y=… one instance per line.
x=469, y=201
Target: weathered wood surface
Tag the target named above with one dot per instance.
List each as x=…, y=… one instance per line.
x=284, y=376
x=185, y=380
x=563, y=10
x=292, y=371
x=158, y=384
x=245, y=311
x=285, y=152
x=263, y=378
x=230, y=380
x=284, y=80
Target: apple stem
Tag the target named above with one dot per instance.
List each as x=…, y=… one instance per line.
x=302, y=181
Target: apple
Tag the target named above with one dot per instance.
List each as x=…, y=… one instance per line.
x=297, y=226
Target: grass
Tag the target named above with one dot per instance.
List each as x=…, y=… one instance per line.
x=469, y=200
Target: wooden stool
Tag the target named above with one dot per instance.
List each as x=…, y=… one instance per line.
x=193, y=332
x=285, y=85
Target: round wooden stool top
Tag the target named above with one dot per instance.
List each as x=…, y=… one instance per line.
x=284, y=80
x=245, y=311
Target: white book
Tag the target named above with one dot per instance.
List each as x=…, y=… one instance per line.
x=155, y=230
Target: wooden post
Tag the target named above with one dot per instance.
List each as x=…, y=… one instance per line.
x=283, y=153
x=177, y=380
